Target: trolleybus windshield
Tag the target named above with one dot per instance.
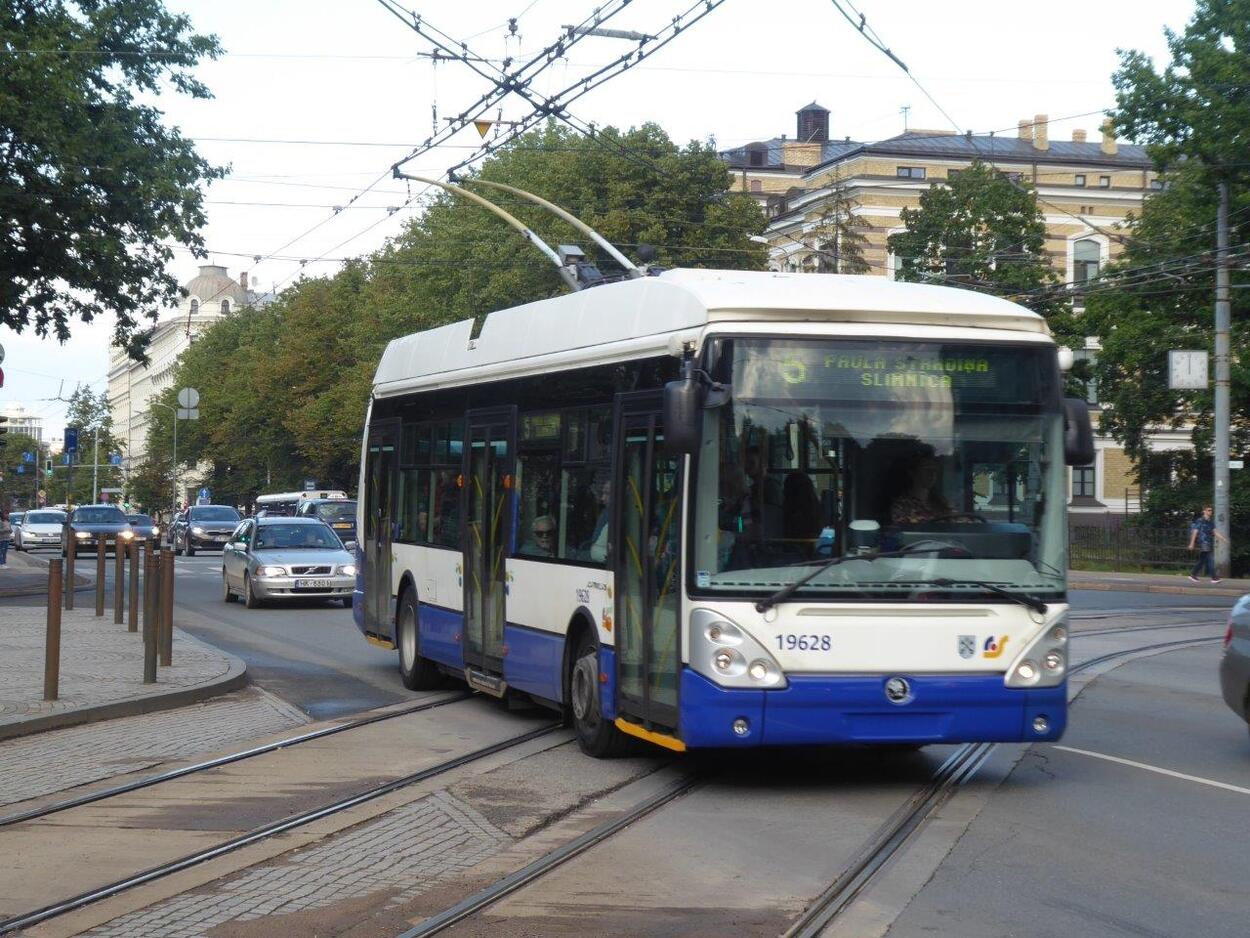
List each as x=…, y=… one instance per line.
x=951, y=454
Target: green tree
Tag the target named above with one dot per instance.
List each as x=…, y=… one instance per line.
x=93, y=417
x=93, y=185
x=1193, y=117
x=284, y=388
x=17, y=488
x=984, y=232
x=839, y=235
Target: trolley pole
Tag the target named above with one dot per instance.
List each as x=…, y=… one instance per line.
x=167, y=607
x=119, y=581
x=52, y=643
x=1223, y=321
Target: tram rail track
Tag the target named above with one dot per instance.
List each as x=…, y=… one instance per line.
x=91, y=797
x=73, y=903
x=959, y=768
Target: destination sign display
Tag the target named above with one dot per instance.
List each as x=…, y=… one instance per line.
x=890, y=372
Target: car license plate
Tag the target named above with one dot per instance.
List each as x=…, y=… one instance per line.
x=313, y=584
x=344, y=526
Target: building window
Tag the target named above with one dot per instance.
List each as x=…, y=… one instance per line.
x=1104, y=182
x=225, y=306
x=1086, y=257
x=1085, y=372
x=911, y=172
x=195, y=306
x=1080, y=179
x=1157, y=185
x=1084, y=481
x=757, y=186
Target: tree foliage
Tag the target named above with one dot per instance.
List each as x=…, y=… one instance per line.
x=284, y=388
x=92, y=415
x=839, y=234
x=1195, y=120
x=18, y=480
x=92, y=184
x=982, y=231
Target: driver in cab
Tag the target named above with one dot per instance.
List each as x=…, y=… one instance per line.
x=921, y=501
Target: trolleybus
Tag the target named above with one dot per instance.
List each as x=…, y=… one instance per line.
x=723, y=508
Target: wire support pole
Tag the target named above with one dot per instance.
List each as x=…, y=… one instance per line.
x=1223, y=322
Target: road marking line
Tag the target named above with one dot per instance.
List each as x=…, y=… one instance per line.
x=1154, y=768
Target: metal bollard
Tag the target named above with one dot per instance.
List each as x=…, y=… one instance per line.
x=101, y=544
x=119, y=580
x=167, y=607
x=52, y=645
x=71, y=550
x=149, y=622
x=133, y=624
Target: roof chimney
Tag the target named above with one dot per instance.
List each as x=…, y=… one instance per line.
x=243, y=280
x=1078, y=136
x=1041, y=132
x=1109, y=146
x=813, y=124
x=1026, y=129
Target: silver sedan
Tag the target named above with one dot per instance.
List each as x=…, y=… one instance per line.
x=286, y=558
x=1235, y=665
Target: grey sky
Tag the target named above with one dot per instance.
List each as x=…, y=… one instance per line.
x=346, y=70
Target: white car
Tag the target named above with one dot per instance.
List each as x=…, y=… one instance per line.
x=41, y=527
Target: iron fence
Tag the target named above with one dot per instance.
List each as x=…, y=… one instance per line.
x=1129, y=547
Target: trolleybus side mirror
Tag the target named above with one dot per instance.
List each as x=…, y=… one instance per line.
x=1078, y=433
x=683, y=415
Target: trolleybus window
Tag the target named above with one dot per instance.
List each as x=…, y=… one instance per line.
x=951, y=452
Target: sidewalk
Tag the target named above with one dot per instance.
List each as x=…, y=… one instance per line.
x=101, y=671
x=1177, y=583
x=24, y=575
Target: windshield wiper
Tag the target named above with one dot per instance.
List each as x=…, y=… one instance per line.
x=1024, y=599
x=789, y=590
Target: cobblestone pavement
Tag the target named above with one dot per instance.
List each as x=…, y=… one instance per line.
x=59, y=759
x=100, y=662
x=399, y=855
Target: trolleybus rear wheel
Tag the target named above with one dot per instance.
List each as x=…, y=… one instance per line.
x=595, y=735
x=417, y=673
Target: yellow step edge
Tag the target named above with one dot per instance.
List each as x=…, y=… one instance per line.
x=660, y=739
x=380, y=642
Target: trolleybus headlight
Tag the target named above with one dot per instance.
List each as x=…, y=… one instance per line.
x=1026, y=672
x=1053, y=660
x=1059, y=634
x=730, y=655
x=270, y=571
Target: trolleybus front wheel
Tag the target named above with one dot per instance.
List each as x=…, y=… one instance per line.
x=417, y=673
x=595, y=735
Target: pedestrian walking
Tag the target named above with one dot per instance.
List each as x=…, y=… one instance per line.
x=1202, y=535
x=6, y=532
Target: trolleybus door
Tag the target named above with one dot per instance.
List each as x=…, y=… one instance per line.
x=379, y=516
x=488, y=475
x=647, y=557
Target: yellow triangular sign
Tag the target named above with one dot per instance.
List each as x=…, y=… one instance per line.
x=483, y=126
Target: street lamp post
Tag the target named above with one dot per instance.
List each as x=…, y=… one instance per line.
x=173, y=508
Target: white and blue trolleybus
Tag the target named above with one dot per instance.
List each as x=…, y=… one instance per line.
x=717, y=508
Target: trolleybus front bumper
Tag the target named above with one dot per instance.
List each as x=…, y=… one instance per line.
x=830, y=709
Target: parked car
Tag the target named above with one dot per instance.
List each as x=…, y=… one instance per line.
x=1235, y=665
x=202, y=527
x=286, y=558
x=338, y=513
x=88, y=525
x=144, y=527
x=41, y=527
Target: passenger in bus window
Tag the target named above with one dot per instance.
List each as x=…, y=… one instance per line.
x=922, y=500
x=542, y=539
x=597, y=546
